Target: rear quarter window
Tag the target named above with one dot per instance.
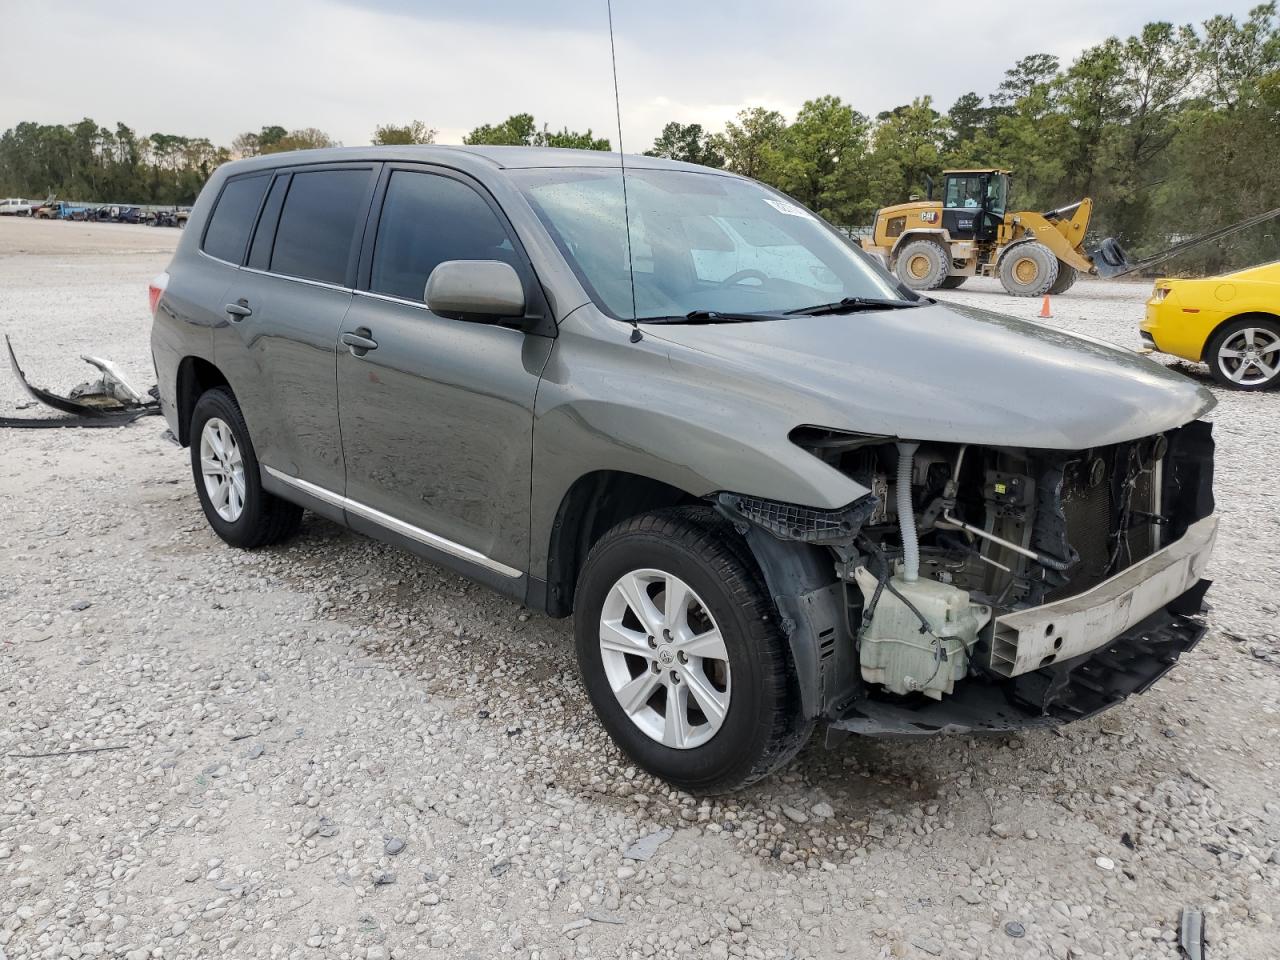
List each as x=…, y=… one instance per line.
x=233, y=217
x=317, y=230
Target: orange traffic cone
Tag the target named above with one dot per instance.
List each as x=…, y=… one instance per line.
x=1045, y=311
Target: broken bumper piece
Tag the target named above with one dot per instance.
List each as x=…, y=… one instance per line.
x=110, y=400
x=1061, y=692
x=1029, y=639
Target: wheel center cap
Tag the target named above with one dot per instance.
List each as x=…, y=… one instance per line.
x=666, y=656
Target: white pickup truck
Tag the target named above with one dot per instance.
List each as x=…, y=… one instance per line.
x=14, y=207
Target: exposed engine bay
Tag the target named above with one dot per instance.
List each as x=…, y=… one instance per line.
x=1005, y=567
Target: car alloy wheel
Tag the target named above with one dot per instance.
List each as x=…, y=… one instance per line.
x=222, y=468
x=1250, y=356
x=665, y=658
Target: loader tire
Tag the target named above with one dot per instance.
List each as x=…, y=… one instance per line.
x=1028, y=270
x=1067, y=276
x=951, y=283
x=923, y=264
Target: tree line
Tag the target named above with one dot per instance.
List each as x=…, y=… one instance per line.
x=1172, y=131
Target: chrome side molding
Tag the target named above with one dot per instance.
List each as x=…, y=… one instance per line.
x=425, y=537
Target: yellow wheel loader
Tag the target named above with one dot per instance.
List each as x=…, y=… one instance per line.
x=933, y=244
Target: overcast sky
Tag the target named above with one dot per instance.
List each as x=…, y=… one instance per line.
x=218, y=68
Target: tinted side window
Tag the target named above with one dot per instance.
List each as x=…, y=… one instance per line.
x=260, y=248
x=318, y=224
x=427, y=219
x=232, y=218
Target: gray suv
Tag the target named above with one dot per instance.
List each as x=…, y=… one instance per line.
x=774, y=487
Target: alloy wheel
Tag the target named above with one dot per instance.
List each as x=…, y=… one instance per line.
x=1250, y=356
x=665, y=658
x=222, y=467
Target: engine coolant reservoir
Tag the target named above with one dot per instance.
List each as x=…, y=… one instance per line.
x=894, y=652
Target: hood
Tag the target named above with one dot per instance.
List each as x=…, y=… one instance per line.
x=945, y=373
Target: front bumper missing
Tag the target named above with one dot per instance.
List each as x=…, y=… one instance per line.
x=1061, y=692
x=1028, y=640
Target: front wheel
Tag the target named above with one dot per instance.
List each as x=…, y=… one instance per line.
x=1028, y=270
x=681, y=654
x=1244, y=354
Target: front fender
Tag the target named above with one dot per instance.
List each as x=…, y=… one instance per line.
x=608, y=404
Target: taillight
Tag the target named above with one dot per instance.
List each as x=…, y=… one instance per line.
x=155, y=289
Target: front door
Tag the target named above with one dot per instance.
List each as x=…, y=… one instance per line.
x=437, y=416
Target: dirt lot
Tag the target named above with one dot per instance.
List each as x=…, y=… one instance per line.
x=333, y=749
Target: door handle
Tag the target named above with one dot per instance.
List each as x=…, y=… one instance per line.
x=238, y=311
x=360, y=342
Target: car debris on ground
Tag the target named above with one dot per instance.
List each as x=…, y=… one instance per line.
x=1191, y=934
x=109, y=400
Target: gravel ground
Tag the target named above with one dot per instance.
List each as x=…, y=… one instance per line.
x=334, y=749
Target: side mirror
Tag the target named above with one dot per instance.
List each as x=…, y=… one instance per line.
x=481, y=290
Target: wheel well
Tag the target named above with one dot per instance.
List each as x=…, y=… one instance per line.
x=596, y=503
x=1258, y=314
x=939, y=237
x=195, y=376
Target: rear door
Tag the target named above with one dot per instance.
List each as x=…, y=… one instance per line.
x=284, y=311
x=437, y=420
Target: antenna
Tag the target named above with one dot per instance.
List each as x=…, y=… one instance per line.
x=636, y=335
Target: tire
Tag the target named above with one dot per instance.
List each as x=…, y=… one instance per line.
x=262, y=518
x=953, y=282
x=1067, y=276
x=923, y=264
x=1028, y=269
x=1112, y=253
x=1259, y=335
x=751, y=673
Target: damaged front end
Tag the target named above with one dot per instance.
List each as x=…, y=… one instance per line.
x=106, y=401
x=988, y=588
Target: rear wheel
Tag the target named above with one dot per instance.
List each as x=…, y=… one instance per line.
x=951, y=283
x=923, y=264
x=1028, y=270
x=227, y=477
x=681, y=654
x=1244, y=354
x=1067, y=276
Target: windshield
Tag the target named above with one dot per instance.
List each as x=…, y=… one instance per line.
x=964, y=192
x=699, y=242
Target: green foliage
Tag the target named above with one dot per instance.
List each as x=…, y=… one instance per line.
x=906, y=147
x=752, y=145
x=83, y=161
x=520, y=130
x=415, y=131
x=821, y=159
x=687, y=142
x=308, y=138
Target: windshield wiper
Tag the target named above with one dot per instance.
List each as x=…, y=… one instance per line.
x=711, y=316
x=856, y=304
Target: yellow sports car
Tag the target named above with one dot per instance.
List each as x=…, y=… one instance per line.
x=1231, y=322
